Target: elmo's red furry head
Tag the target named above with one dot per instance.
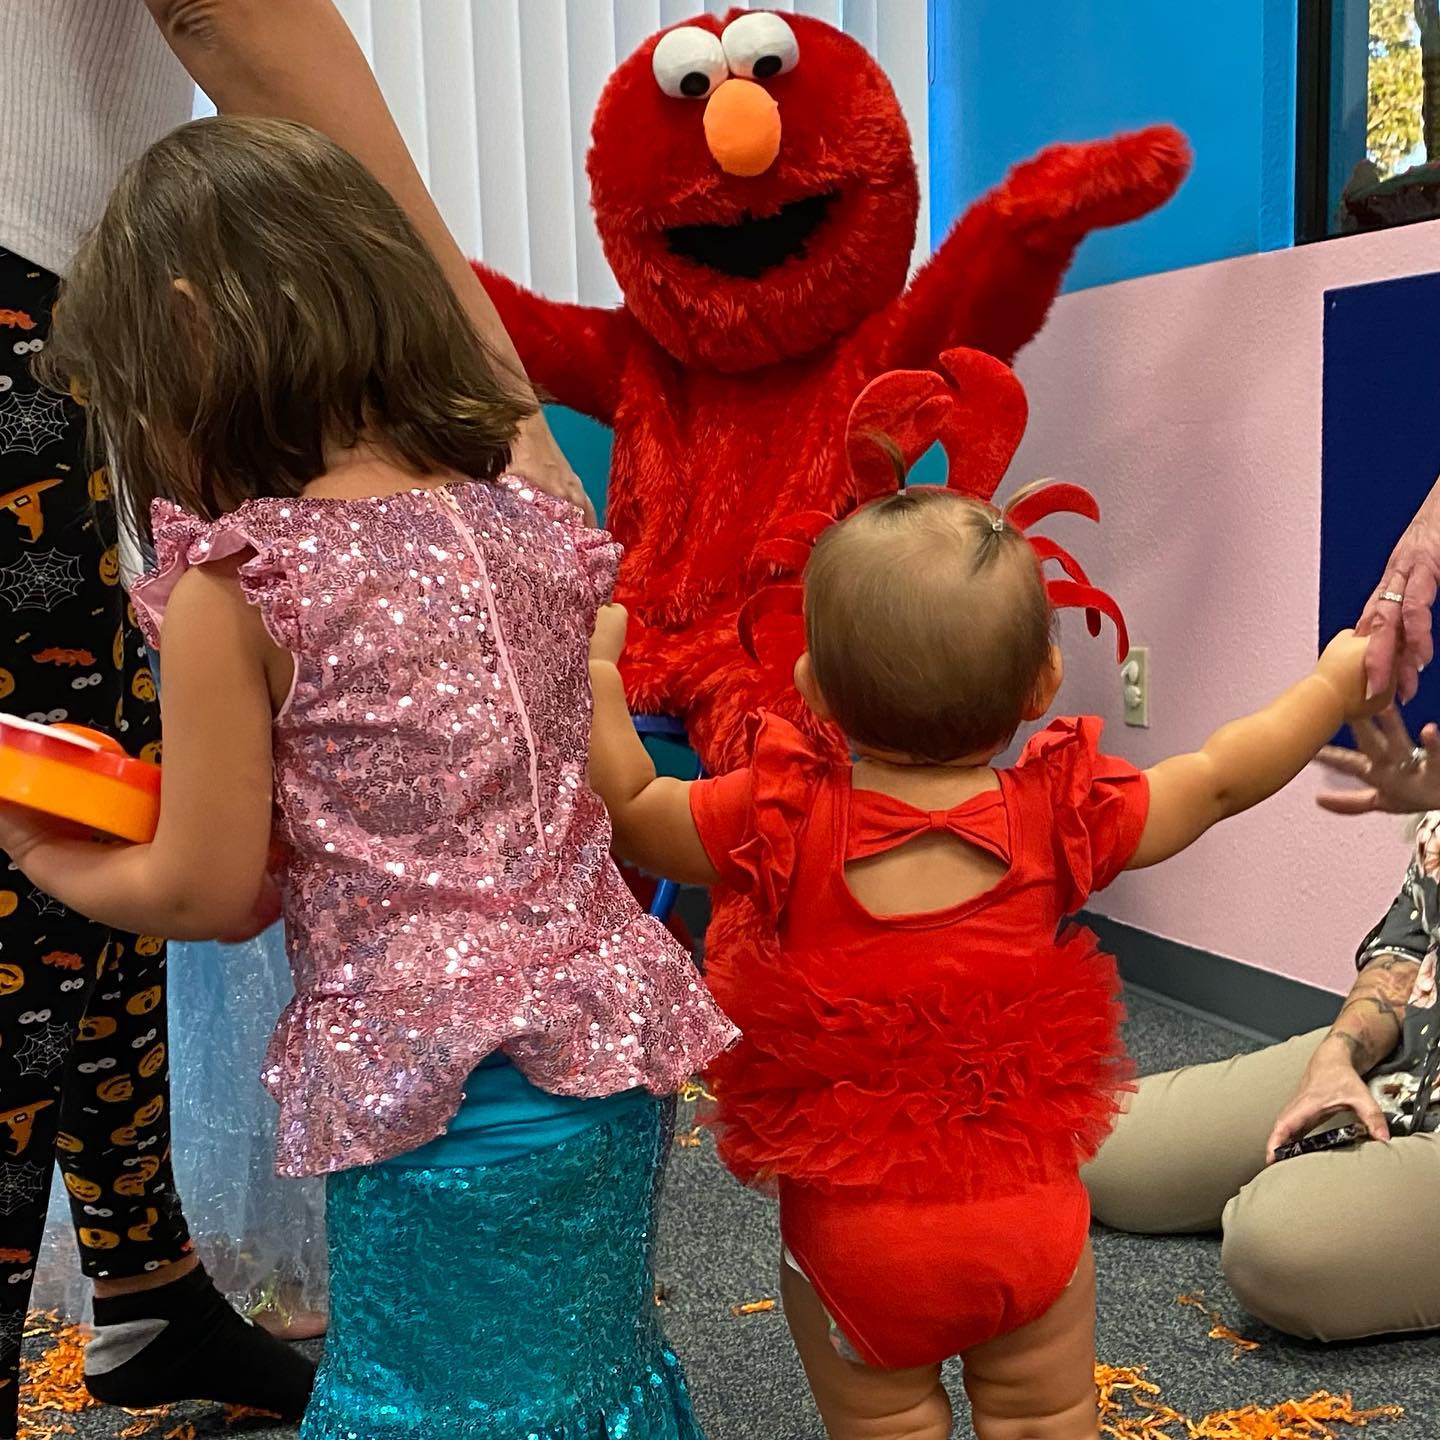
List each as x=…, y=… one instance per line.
x=753, y=186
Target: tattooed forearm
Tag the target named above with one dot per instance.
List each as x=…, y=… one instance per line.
x=1370, y=1021
x=1350, y=1042
x=1379, y=1004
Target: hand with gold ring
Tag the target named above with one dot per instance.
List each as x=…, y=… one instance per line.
x=1396, y=775
x=1397, y=618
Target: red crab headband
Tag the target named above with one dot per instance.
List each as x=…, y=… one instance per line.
x=977, y=412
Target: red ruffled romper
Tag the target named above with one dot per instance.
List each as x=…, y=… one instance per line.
x=922, y=1089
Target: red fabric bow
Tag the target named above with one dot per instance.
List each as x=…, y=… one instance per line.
x=977, y=413
x=884, y=823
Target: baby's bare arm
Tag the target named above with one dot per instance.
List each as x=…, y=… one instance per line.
x=650, y=814
x=1250, y=759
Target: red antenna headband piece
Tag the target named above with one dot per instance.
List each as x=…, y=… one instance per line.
x=976, y=411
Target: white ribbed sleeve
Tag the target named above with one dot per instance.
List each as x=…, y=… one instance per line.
x=85, y=87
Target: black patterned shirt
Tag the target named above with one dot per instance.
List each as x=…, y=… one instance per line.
x=1411, y=928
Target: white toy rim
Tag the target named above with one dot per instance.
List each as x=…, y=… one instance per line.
x=36, y=728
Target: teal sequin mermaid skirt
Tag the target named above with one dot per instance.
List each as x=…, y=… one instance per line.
x=502, y=1302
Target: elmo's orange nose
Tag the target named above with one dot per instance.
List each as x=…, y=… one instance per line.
x=742, y=127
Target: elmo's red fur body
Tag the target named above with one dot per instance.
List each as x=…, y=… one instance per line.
x=728, y=393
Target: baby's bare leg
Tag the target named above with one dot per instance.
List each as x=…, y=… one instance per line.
x=1038, y=1382
x=858, y=1402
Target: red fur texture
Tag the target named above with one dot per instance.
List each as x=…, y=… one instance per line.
x=729, y=394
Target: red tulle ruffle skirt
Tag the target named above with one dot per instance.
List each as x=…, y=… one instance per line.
x=935, y=1070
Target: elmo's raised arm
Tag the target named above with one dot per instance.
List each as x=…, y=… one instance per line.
x=991, y=283
x=572, y=353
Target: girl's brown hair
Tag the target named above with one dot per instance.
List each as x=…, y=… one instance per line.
x=927, y=624
x=253, y=298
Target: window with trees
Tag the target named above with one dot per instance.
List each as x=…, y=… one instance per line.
x=1369, y=127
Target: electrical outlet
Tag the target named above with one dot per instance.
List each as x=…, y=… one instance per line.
x=1135, y=677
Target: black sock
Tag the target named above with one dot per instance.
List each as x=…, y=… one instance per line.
x=182, y=1341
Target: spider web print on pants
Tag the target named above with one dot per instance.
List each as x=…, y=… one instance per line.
x=31, y=422
x=40, y=582
x=20, y=1183
x=44, y=1050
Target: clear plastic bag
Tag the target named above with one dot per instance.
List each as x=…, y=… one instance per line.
x=261, y=1237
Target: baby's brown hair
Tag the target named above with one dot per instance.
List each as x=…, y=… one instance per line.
x=310, y=315
x=928, y=625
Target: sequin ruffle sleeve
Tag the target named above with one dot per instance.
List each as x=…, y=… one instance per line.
x=183, y=541
x=598, y=552
x=749, y=821
x=1100, y=801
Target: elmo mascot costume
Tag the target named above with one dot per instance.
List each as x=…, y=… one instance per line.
x=756, y=196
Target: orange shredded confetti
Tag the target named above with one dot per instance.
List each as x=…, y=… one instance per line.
x=1306, y=1419
x=55, y=1383
x=1131, y=1409
x=690, y=1140
x=753, y=1307
x=1119, y=1386
x=243, y=1414
x=693, y=1091
x=1219, y=1330
x=181, y=1432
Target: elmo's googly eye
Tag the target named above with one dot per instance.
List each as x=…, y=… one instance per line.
x=759, y=46
x=689, y=62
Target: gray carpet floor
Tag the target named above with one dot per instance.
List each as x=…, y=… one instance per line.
x=719, y=1248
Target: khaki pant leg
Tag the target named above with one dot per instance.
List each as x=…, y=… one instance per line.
x=1191, y=1138
x=1342, y=1244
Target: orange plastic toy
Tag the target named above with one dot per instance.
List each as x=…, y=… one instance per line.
x=77, y=774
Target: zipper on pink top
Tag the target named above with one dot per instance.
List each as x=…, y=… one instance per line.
x=450, y=508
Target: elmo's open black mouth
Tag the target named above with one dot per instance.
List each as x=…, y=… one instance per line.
x=750, y=247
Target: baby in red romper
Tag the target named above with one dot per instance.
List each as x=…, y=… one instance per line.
x=929, y=1053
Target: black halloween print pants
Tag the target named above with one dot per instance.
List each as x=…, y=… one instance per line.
x=83, y=1067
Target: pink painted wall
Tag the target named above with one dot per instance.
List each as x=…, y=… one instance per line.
x=1190, y=403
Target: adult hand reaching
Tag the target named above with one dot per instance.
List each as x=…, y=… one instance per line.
x=1397, y=617
x=536, y=455
x=1396, y=776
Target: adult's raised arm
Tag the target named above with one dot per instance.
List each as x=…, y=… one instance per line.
x=297, y=60
x=1397, y=617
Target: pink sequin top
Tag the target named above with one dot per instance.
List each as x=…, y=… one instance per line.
x=447, y=882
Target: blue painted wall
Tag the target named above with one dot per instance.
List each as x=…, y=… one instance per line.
x=1009, y=78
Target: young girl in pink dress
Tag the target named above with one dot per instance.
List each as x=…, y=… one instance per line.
x=924, y=1064
x=375, y=643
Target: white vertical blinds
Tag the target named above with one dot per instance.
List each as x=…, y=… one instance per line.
x=494, y=98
